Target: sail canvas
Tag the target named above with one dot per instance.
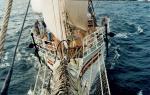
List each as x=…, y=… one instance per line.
x=54, y=12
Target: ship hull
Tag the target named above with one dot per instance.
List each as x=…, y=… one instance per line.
x=77, y=76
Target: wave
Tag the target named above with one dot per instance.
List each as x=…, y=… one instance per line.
x=140, y=92
x=4, y=65
x=139, y=29
x=113, y=56
x=122, y=35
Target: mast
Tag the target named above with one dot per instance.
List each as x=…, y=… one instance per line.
x=55, y=12
x=92, y=12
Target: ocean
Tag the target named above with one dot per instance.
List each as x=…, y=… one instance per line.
x=129, y=53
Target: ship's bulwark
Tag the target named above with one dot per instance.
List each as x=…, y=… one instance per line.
x=72, y=76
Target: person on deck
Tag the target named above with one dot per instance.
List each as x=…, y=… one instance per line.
x=44, y=24
x=43, y=28
x=36, y=26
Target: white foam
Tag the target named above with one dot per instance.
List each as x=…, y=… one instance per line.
x=139, y=29
x=117, y=55
x=6, y=56
x=30, y=92
x=143, y=0
x=4, y=65
x=122, y=35
x=19, y=56
x=140, y=92
x=112, y=65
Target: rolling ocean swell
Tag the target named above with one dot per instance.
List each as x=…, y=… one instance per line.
x=129, y=53
x=24, y=71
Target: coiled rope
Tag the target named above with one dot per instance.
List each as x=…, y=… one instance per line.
x=5, y=87
x=5, y=25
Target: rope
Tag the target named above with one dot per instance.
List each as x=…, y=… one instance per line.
x=5, y=25
x=4, y=90
x=62, y=85
x=58, y=48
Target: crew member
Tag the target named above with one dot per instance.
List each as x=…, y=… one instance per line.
x=36, y=26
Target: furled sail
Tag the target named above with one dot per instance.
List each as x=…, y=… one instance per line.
x=53, y=12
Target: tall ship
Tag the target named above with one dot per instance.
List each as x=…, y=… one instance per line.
x=71, y=48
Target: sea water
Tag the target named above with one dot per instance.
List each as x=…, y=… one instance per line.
x=129, y=53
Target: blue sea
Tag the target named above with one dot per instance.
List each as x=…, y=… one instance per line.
x=128, y=64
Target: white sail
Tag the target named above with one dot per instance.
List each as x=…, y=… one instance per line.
x=36, y=6
x=53, y=13
x=77, y=11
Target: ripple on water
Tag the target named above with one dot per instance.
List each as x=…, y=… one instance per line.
x=130, y=23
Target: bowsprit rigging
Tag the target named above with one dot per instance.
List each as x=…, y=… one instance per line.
x=74, y=65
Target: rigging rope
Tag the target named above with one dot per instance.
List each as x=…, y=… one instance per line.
x=5, y=25
x=58, y=48
x=5, y=87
